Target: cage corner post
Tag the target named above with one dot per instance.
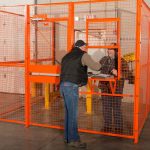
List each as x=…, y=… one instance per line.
x=148, y=78
x=137, y=72
x=70, y=38
x=119, y=47
x=27, y=62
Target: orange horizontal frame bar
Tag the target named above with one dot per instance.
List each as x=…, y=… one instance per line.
x=83, y=130
x=54, y=19
x=11, y=13
x=12, y=121
x=45, y=68
x=47, y=126
x=77, y=3
x=63, y=3
x=5, y=64
x=44, y=79
x=103, y=79
x=40, y=60
x=98, y=46
x=104, y=133
x=103, y=20
x=107, y=94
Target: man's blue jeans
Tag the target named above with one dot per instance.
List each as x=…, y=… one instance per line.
x=70, y=93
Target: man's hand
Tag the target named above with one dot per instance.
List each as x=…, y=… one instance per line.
x=114, y=72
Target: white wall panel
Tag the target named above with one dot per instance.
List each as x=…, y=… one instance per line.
x=15, y=2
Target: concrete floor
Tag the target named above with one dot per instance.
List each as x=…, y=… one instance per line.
x=17, y=137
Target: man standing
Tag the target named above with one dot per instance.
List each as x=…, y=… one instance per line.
x=112, y=112
x=74, y=75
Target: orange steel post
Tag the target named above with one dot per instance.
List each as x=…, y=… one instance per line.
x=27, y=62
x=89, y=86
x=53, y=49
x=119, y=50
x=148, y=76
x=53, y=43
x=87, y=32
x=70, y=38
x=137, y=72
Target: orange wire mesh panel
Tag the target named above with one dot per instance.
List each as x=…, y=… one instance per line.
x=12, y=93
x=105, y=29
x=47, y=108
x=125, y=99
x=144, y=66
x=33, y=44
x=108, y=36
x=44, y=33
x=49, y=43
x=109, y=110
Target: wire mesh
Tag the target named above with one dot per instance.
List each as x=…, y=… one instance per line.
x=49, y=44
x=115, y=109
x=103, y=109
x=113, y=116
x=144, y=65
x=11, y=54
x=48, y=38
x=12, y=34
x=46, y=105
x=119, y=105
x=104, y=33
x=12, y=93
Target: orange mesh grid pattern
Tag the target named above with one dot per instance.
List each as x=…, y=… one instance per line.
x=144, y=66
x=105, y=31
x=48, y=47
x=109, y=111
x=48, y=32
x=11, y=57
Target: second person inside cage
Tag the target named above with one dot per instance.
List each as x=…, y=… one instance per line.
x=111, y=105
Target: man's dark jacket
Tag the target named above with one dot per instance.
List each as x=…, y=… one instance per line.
x=72, y=69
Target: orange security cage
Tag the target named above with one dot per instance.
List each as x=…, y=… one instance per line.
x=33, y=40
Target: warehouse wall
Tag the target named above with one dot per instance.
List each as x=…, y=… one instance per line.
x=15, y=2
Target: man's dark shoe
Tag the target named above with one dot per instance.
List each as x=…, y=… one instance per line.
x=77, y=144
